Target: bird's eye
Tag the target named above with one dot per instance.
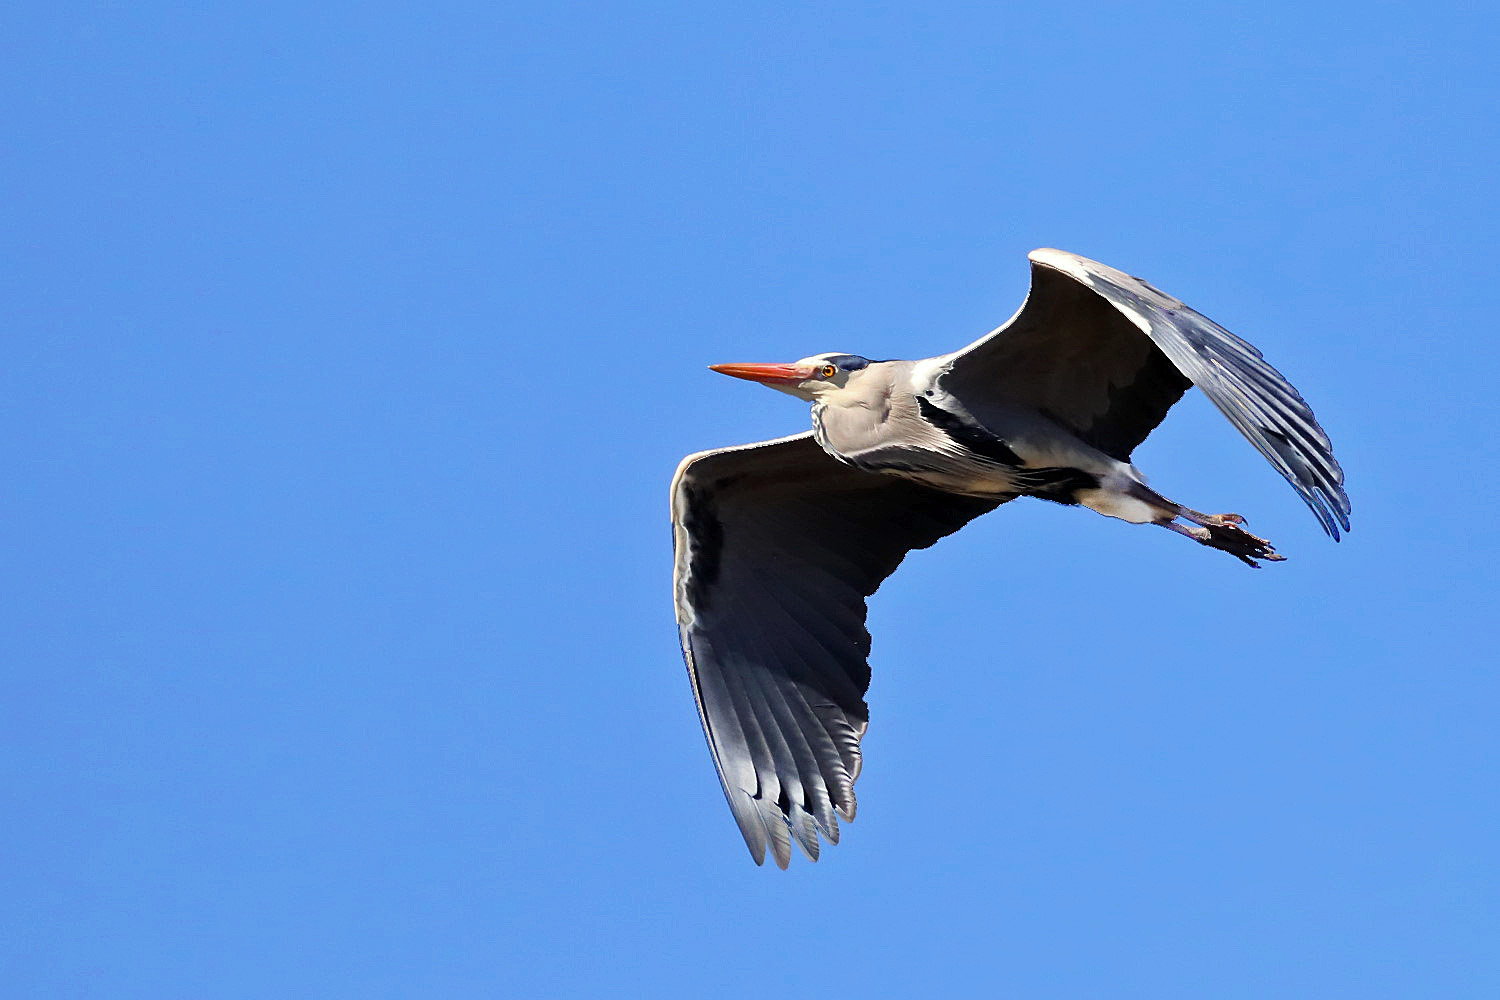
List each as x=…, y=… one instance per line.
x=829, y=371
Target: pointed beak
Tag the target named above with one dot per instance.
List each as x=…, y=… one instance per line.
x=785, y=374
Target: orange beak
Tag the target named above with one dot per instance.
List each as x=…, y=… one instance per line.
x=763, y=373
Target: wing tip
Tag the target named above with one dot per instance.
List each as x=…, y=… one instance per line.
x=767, y=829
x=1331, y=508
x=1339, y=509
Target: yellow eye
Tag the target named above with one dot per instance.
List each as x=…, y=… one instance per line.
x=829, y=371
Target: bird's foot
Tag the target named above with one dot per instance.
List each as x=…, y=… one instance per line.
x=1224, y=532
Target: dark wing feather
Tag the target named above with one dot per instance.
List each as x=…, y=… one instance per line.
x=777, y=547
x=1106, y=355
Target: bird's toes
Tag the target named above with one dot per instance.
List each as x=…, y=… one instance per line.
x=1231, y=538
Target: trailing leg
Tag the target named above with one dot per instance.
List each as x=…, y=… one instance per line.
x=1118, y=493
x=1224, y=532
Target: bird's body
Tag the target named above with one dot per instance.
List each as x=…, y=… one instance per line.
x=905, y=423
x=779, y=543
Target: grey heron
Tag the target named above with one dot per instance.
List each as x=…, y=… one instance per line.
x=779, y=543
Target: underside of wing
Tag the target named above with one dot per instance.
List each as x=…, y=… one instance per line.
x=777, y=547
x=1106, y=355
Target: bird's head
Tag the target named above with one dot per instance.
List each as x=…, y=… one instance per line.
x=820, y=378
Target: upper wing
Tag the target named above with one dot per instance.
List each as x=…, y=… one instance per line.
x=1106, y=355
x=777, y=547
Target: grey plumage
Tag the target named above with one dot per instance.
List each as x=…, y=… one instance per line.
x=779, y=543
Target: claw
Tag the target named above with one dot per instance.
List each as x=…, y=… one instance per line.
x=1223, y=532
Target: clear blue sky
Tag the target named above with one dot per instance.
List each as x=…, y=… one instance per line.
x=348, y=350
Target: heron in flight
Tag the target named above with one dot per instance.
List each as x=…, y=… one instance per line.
x=778, y=543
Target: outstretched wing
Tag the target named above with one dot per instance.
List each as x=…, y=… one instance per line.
x=777, y=547
x=1106, y=355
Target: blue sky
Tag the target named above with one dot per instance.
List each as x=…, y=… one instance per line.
x=348, y=353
